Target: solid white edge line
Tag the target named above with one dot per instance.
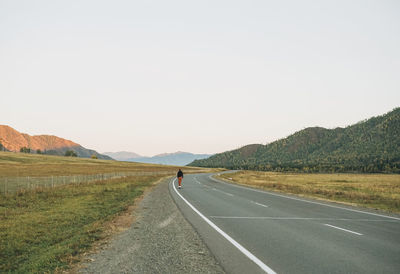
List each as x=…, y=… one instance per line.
x=344, y=229
x=226, y=236
x=297, y=199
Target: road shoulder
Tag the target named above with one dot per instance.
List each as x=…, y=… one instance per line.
x=159, y=241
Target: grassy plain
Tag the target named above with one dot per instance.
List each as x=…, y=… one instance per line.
x=378, y=191
x=34, y=165
x=45, y=230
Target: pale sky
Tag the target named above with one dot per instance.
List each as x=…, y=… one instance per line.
x=197, y=76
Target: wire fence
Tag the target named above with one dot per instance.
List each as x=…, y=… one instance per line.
x=15, y=184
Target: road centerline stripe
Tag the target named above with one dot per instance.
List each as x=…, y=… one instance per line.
x=248, y=254
x=301, y=200
x=344, y=229
x=226, y=193
x=258, y=204
x=301, y=219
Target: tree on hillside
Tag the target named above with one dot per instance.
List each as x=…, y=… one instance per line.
x=25, y=150
x=71, y=153
x=2, y=148
x=371, y=146
x=94, y=156
x=38, y=151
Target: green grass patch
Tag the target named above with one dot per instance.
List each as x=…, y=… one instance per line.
x=45, y=230
x=378, y=191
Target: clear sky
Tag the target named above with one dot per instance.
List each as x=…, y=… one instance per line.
x=198, y=76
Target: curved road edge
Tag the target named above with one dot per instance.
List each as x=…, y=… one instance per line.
x=159, y=241
x=230, y=257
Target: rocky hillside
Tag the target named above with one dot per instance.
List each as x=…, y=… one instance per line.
x=12, y=140
x=372, y=145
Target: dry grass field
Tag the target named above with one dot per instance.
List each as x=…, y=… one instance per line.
x=378, y=191
x=34, y=165
x=45, y=230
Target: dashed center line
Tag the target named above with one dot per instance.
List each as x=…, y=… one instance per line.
x=258, y=204
x=344, y=229
x=226, y=193
x=213, y=188
x=247, y=253
x=301, y=219
x=301, y=200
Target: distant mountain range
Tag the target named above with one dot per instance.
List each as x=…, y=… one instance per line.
x=12, y=140
x=177, y=159
x=372, y=145
x=122, y=155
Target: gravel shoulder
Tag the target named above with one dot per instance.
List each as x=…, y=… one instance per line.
x=160, y=240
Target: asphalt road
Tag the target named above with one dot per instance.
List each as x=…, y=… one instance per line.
x=254, y=231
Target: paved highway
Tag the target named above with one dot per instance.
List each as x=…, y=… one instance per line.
x=254, y=231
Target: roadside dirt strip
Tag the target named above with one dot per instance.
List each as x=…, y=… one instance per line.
x=159, y=241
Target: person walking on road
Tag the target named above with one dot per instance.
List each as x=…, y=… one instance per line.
x=180, y=177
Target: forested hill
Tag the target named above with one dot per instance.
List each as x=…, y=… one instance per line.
x=368, y=146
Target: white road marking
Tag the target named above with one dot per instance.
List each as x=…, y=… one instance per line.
x=226, y=236
x=201, y=183
x=213, y=188
x=305, y=201
x=258, y=204
x=344, y=229
x=300, y=218
x=226, y=193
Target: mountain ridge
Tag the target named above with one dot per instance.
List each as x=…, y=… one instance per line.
x=176, y=158
x=371, y=145
x=122, y=155
x=13, y=140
